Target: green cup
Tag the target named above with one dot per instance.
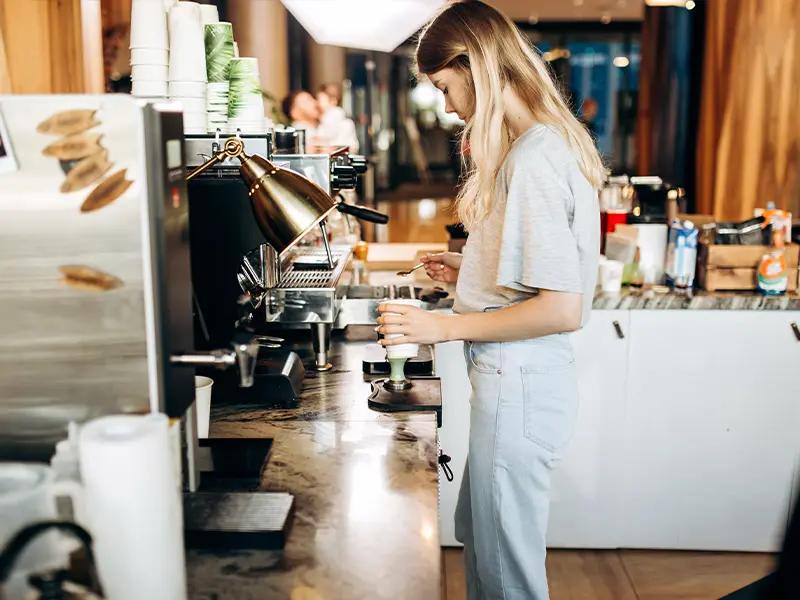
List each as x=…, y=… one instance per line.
x=219, y=50
x=244, y=97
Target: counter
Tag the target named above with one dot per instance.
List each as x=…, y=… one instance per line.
x=698, y=300
x=365, y=486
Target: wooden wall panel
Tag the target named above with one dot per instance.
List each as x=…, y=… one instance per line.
x=5, y=77
x=26, y=29
x=749, y=144
x=44, y=43
x=66, y=66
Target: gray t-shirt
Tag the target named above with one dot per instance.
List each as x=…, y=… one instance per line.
x=543, y=231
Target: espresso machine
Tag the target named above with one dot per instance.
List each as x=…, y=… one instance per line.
x=250, y=234
x=96, y=293
x=96, y=302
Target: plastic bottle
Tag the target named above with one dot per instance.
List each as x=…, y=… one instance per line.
x=772, y=275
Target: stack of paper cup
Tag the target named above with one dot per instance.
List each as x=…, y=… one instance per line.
x=149, y=49
x=219, y=53
x=245, y=106
x=187, y=65
x=208, y=14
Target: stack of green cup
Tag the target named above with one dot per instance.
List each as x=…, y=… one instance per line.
x=245, y=106
x=219, y=53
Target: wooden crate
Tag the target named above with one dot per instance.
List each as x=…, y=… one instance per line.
x=728, y=267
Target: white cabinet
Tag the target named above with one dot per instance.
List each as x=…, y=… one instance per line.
x=713, y=429
x=451, y=367
x=584, y=505
x=688, y=432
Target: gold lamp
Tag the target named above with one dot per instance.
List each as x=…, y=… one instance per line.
x=286, y=205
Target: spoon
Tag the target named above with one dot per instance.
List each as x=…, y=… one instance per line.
x=411, y=270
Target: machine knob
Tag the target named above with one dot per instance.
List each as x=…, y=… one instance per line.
x=343, y=183
x=343, y=177
x=359, y=163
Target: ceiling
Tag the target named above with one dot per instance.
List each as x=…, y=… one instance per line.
x=570, y=10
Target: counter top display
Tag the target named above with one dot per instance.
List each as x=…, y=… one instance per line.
x=365, y=487
x=699, y=300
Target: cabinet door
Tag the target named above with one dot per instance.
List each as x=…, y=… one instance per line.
x=451, y=367
x=585, y=496
x=714, y=424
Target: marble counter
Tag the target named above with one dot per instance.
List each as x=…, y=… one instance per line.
x=366, y=497
x=698, y=300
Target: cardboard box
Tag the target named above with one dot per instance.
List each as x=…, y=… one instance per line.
x=729, y=267
x=698, y=219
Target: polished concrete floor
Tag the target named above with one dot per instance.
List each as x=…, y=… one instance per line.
x=587, y=574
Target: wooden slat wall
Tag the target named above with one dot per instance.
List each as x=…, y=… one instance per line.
x=749, y=141
x=5, y=77
x=43, y=42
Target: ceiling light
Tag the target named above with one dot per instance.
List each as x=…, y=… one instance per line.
x=533, y=19
x=363, y=24
x=605, y=19
x=621, y=61
x=690, y=4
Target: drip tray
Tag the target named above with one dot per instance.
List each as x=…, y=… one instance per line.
x=237, y=520
x=424, y=395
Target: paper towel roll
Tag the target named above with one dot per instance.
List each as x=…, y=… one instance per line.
x=133, y=507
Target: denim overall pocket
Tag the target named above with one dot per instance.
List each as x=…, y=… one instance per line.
x=484, y=357
x=550, y=404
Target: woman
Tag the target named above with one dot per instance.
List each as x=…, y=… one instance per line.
x=526, y=279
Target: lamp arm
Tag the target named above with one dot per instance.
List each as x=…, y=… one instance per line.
x=219, y=156
x=233, y=148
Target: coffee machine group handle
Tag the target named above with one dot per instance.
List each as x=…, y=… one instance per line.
x=243, y=354
x=363, y=213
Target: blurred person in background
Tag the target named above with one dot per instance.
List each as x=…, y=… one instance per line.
x=335, y=128
x=304, y=113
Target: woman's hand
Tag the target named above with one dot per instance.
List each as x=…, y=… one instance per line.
x=416, y=325
x=443, y=266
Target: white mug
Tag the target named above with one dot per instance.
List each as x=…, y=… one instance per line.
x=28, y=493
x=401, y=350
x=611, y=276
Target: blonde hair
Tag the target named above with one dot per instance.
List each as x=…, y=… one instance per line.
x=475, y=39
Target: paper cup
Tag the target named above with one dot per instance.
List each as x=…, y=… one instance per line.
x=187, y=89
x=149, y=56
x=187, y=57
x=149, y=73
x=219, y=51
x=208, y=14
x=202, y=403
x=401, y=350
x=148, y=25
x=611, y=276
x=149, y=88
x=192, y=105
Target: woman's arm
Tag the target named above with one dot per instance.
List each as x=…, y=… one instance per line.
x=546, y=313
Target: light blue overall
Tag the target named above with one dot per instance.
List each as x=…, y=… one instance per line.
x=523, y=408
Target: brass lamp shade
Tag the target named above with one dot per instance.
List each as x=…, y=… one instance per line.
x=286, y=204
